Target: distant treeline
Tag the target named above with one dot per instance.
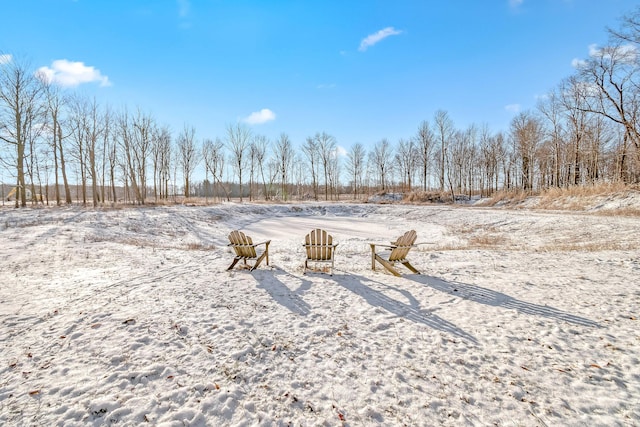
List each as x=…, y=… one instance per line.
x=62, y=147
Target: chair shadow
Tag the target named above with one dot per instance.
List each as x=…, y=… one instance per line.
x=497, y=299
x=281, y=293
x=410, y=311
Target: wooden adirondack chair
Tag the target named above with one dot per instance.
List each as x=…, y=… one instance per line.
x=245, y=249
x=319, y=248
x=399, y=250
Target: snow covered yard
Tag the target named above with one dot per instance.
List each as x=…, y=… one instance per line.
x=129, y=317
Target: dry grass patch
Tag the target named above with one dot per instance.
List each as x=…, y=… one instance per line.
x=488, y=240
x=595, y=198
x=427, y=197
x=627, y=211
x=199, y=247
x=477, y=237
x=505, y=198
x=588, y=247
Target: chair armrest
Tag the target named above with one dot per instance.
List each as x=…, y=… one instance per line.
x=383, y=245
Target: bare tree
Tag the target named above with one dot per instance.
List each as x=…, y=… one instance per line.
x=381, y=158
x=107, y=141
x=444, y=131
x=188, y=156
x=143, y=127
x=260, y=146
x=610, y=87
x=21, y=107
x=213, y=155
x=94, y=138
x=238, y=137
x=406, y=159
x=326, y=145
x=310, y=150
x=355, y=167
x=526, y=133
x=284, y=155
x=55, y=104
x=576, y=116
x=424, y=140
x=78, y=122
x=551, y=109
x=161, y=159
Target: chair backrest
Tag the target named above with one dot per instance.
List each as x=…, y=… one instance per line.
x=319, y=245
x=242, y=244
x=403, y=245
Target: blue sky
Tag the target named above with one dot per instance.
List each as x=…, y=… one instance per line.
x=360, y=70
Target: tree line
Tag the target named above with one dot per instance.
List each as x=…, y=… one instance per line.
x=65, y=146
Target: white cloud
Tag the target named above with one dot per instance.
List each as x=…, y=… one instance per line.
x=341, y=151
x=71, y=74
x=5, y=58
x=372, y=39
x=624, y=53
x=259, y=117
x=578, y=63
x=513, y=108
x=515, y=3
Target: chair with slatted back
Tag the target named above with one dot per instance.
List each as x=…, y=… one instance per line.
x=319, y=248
x=399, y=251
x=245, y=249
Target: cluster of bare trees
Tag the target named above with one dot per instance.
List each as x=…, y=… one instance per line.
x=67, y=147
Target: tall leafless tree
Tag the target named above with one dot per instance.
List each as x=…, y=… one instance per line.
x=213, y=155
x=21, y=108
x=444, y=131
x=238, y=137
x=424, y=141
x=381, y=158
x=326, y=145
x=188, y=156
x=310, y=150
x=284, y=155
x=355, y=167
x=526, y=133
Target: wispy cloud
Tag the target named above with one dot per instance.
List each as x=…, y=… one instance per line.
x=70, y=74
x=259, y=117
x=5, y=58
x=578, y=63
x=184, y=12
x=627, y=54
x=515, y=3
x=375, y=38
x=184, y=7
x=513, y=108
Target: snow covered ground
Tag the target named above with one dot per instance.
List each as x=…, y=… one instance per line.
x=129, y=317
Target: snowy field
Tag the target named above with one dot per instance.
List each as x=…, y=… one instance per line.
x=128, y=317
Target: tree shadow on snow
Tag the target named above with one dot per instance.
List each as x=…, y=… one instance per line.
x=497, y=299
x=408, y=309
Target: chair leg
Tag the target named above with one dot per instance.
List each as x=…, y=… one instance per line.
x=410, y=267
x=235, y=261
x=259, y=260
x=266, y=250
x=386, y=264
x=373, y=256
